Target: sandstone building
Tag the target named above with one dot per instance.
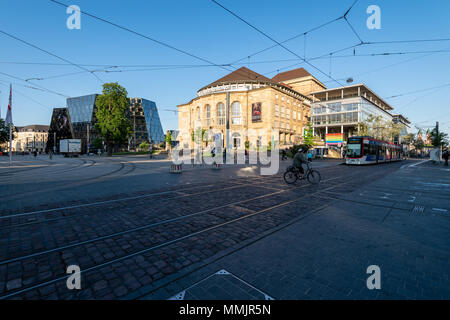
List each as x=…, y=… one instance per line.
x=245, y=100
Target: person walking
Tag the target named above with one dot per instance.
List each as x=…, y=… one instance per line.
x=445, y=156
x=35, y=154
x=50, y=154
x=309, y=156
x=283, y=154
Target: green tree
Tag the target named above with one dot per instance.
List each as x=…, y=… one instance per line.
x=4, y=132
x=408, y=139
x=144, y=146
x=199, y=135
x=97, y=143
x=112, y=123
x=308, y=139
x=168, y=139
x=418, y=144
x=438, y=139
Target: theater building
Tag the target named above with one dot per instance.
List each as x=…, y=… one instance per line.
x=245, y=100
x=77, y=121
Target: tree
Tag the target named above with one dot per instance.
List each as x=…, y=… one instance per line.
x=97, y=143
x=438, y=139
x=112, y=123
x=144, y=146
x=168, y=139
x=408, y=139
x=198, y=135
x=308, y=139
x=418, y=143
x=4, y=132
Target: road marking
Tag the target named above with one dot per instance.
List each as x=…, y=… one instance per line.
x=439, y=209
x=413, y=165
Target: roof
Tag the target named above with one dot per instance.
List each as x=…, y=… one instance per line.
x=354, y=86
x=291, y=74
x=33, y=128
x=241, y=74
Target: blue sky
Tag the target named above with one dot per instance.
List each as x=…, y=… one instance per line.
x=204, y=29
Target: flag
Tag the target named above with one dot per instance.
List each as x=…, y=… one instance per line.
x=8, y=119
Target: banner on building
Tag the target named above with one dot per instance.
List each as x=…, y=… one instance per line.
x=256, y=112
x=334, y=138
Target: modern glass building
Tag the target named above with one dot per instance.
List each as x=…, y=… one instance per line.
x=145, y=121
x=79, y=122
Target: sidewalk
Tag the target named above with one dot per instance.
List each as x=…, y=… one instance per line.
x=400, y=223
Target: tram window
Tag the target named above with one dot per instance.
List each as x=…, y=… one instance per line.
x=366, y=149
x=372, y=149
x=353, y=149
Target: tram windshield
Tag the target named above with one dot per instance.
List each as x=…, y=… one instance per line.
x=353, y=148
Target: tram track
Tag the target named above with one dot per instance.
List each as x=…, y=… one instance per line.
x=180, y=238
x=70, y=184
x=129, y=198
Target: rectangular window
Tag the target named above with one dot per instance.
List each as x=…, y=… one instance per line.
x=277, y=111
x=282, y=111
x=288, y=113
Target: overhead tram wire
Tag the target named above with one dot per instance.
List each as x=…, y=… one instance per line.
x=272, y=39
x=38, y=87
x=4, y=83
x=48, y=52
x=300, y=34
x=418, y=91
x=222, y=66
x=145, y=36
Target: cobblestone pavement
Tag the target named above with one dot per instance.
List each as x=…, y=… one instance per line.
x=129, y=245
x=400, y=223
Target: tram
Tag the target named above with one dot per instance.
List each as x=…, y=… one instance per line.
x=367, y=150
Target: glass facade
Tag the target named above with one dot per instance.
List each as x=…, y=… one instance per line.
x=153, y=123
x=79, y=116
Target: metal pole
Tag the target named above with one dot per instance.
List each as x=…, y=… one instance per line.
x=87, y=138
x=54, y=142
x=10, y=144
x=134, y=128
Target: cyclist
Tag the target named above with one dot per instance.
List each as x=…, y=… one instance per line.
x=300, y=158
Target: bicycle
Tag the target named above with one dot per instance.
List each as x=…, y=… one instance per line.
x=293, y=174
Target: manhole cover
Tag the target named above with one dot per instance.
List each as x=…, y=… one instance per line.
x=221, y=285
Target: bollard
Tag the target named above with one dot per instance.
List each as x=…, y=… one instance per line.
x=176, y=168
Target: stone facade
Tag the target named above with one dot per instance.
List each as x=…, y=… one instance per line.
x=233, y=100
x=30, y=138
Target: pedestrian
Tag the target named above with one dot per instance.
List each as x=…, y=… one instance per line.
x=309, y=156
x=283, y=154
x=445, y=155
x=50, y=154
x=35, y=154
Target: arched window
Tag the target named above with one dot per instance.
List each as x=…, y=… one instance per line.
x=198, y=113
x=208, y=114
x=236, y=113
x=220, y=114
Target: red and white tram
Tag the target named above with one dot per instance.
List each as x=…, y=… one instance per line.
x=367, y=150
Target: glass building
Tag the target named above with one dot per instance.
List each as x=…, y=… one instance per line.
x=79, y=122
